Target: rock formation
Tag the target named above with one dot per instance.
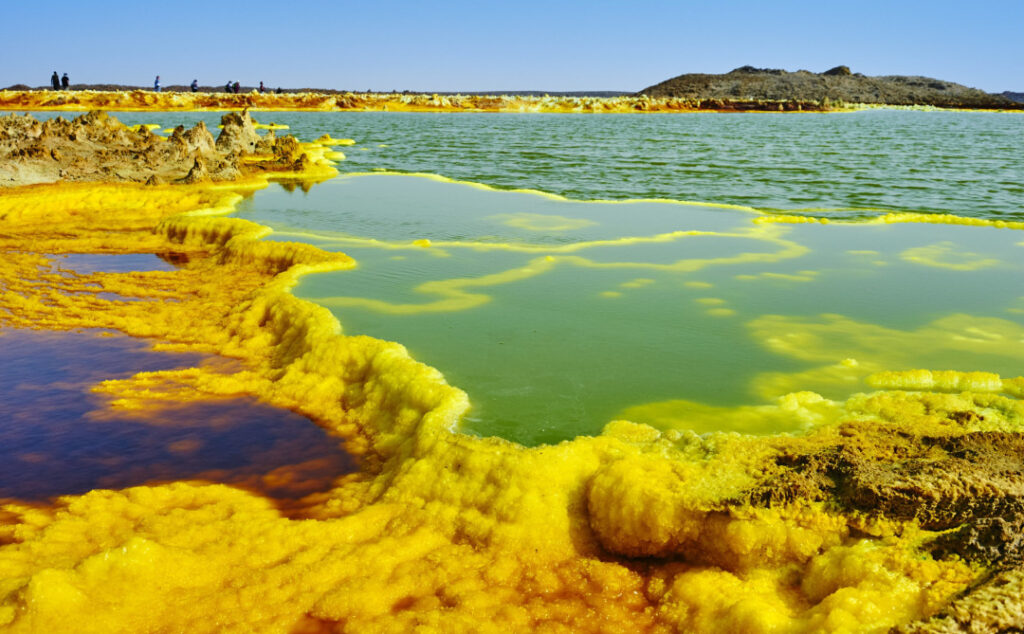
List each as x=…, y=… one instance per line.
x=839, y=84
x=97, y=147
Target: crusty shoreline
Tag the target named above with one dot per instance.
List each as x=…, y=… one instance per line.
x=142, y=100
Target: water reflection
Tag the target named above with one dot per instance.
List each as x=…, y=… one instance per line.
x=56, y=437
x=88, y=263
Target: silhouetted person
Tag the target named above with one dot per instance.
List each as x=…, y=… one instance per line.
x=156, y=84
x=227, y=86
x=194, y=85
x=261, y=88
x=279, y=91
x=235, y=87
x=64, y=81
x=55, y=81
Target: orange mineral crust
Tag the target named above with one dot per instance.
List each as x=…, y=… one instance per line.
x=885, y=513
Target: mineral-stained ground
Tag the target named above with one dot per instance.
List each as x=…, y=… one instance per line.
x=905, y=512
x=744, y=89
x=131, y=100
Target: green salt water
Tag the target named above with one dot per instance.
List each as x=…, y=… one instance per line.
x=969, y=163
x=557, y=316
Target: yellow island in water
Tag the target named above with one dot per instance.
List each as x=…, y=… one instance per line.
x=897, y=508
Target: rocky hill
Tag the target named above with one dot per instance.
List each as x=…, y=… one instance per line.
x=839, y=84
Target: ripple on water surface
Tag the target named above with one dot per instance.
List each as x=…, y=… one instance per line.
x=57, y=437
x=968, y=163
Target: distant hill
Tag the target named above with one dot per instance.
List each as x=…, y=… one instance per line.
x=1014, y=96
x=835, y=85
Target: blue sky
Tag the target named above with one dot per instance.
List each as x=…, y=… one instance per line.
x=510, y=45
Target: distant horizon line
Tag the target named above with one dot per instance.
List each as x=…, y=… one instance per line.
x=247, y=89
x=219, y=88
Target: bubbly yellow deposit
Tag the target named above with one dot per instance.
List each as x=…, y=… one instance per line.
x=828, y=339
x=633, y=530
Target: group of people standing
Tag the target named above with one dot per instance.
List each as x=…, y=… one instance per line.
x=233, y=87
x=62, y=83
x=59, y=83
x=194, y=86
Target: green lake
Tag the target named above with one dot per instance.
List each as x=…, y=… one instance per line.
x=557, y=314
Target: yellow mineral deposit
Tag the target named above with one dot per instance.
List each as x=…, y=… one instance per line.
x=632, y=530
x=542, y=222
x=802, y=276
x=328, y=140
x=143, y=100
x=944, y=256
x=830, y=338
x=639, y=282
x=796, y=411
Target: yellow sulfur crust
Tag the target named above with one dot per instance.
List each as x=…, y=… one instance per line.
x=632, y=530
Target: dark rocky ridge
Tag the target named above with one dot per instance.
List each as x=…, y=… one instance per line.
x=837, y=85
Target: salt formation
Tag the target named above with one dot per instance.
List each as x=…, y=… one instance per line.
x=97, y=147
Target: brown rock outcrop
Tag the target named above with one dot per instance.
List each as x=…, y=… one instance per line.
x=238, y=134
x=970, y=486
x=993, y=606
x=198, y=173
x=97, y=147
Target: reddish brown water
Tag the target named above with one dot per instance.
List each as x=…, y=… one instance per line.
x=56, y=439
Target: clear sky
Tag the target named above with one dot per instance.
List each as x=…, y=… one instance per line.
x=481, y=45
